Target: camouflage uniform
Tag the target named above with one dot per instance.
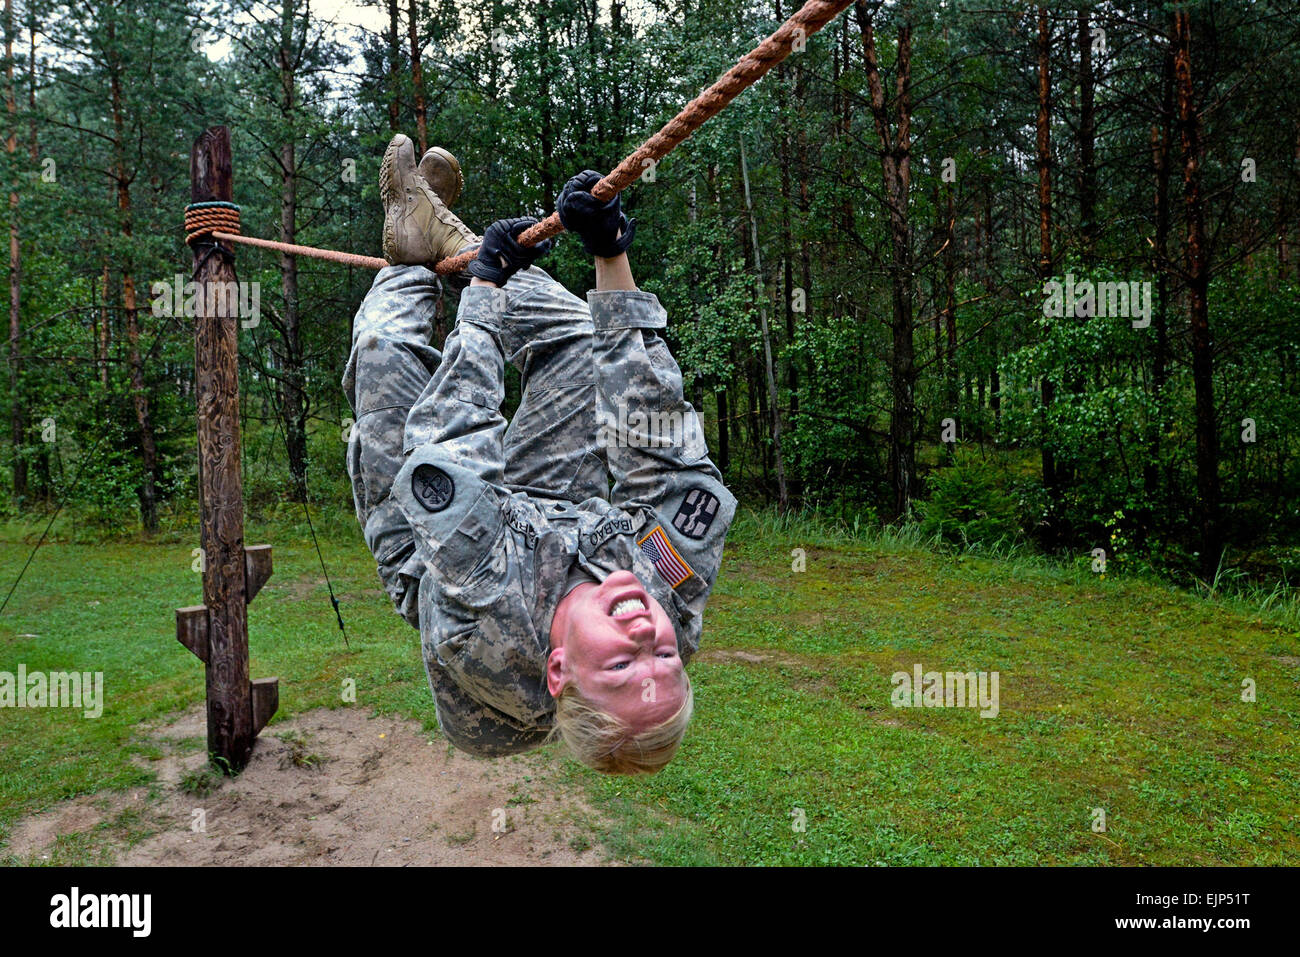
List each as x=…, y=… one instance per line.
x=478, y=529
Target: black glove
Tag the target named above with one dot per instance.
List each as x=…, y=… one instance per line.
x=596, y=222
x=499, y=242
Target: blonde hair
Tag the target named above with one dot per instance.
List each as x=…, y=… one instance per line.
x=602, y=741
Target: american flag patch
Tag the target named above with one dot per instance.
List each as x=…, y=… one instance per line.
x=671, y=566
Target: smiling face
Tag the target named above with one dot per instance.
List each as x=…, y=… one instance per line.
x=619, y=646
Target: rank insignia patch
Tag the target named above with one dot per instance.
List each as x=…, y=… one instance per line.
x=698, y=510
x=432, y=487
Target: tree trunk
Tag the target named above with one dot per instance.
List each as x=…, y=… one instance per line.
x=804, y=205
x=547, y=130
x=231, y=727
x=616, y=72
x=1161, y=267
x=18, y=408
x=896, y=157
x=293, y=401
x=950, y=298
x=417, y=79
x=1160, y=141
x=139, y=394
x=1051, y=480
x=105, y=335
x=995, y=394
x=724, y=434
x=697, y=381
x=1087, y=142
x=787, y=241
x=844, y=116
x=805, y=200
x=783, y=492
x=724, y=418
x=394, y=68
x=1196, y=255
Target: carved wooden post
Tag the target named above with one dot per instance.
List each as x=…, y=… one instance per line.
x=217, y=630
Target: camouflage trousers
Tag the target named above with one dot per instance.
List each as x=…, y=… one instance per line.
x=404, y=392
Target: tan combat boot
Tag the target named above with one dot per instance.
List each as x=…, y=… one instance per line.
x=419, y=229
x=442, y=172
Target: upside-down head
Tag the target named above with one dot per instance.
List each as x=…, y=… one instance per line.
x=623, y=700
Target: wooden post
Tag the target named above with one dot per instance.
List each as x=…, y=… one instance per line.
x=217, y=631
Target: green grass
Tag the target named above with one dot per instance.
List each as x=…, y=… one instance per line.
x=110, y=607
x=1123, y=694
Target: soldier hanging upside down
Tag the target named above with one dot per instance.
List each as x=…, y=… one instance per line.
x=548, y=602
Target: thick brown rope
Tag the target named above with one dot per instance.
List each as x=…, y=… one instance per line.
x=347, y=259
x=810, y=18
x=206, y=218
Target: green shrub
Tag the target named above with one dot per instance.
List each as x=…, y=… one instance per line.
x=969, y=504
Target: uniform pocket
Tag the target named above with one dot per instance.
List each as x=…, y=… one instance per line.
x=471, y=562
x=497, y=669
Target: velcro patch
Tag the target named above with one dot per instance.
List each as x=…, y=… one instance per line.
x=622, y=525
x=698, y=510
x=432, y=487
x=670, y=565
x=524, y=528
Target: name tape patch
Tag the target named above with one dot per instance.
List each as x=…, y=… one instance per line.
x=524, y=528
x=614, y=526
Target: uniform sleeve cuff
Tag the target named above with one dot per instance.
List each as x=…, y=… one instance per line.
x=625, y=309
x=483, y=305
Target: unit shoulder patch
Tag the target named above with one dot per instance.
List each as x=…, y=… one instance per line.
x=696, y=513
x=432, y=487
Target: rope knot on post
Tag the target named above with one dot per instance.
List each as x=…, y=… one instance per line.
x=203, y=219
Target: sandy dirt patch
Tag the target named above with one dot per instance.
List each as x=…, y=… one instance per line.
x=332, y=787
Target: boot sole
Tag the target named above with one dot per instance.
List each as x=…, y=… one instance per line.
x=441, y=170
x=385, y=189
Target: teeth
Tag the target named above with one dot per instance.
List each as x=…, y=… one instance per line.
x=627, y=605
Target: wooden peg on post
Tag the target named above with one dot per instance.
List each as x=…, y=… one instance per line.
x=217, y=631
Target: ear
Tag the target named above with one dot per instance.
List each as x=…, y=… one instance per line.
x=556, y=679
